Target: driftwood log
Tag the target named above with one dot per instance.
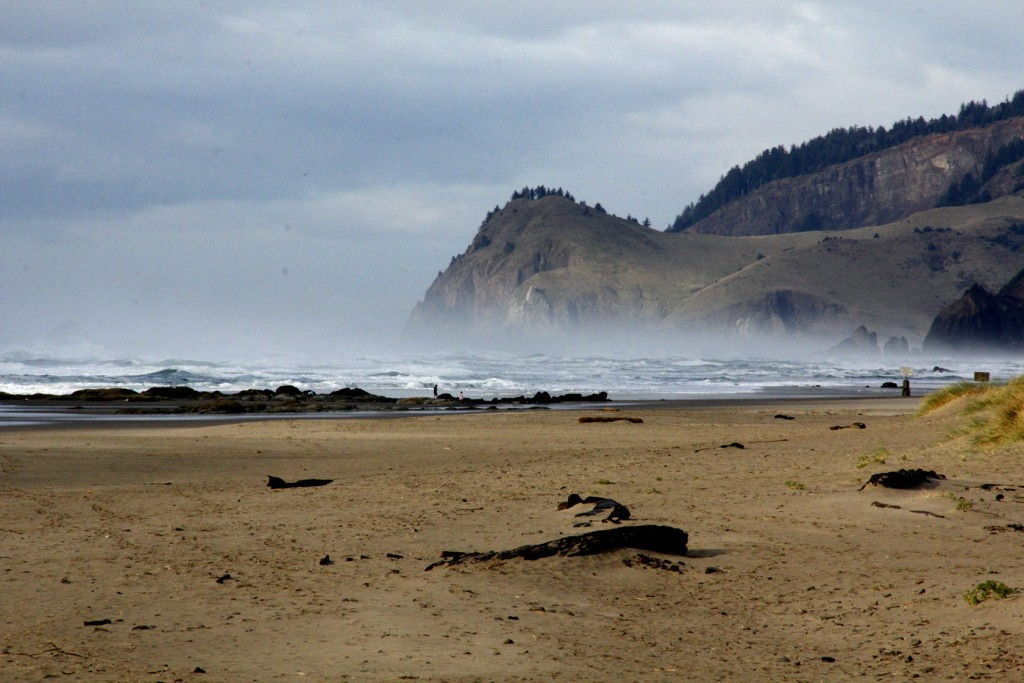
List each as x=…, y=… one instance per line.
x=653, y=537
x=902, y=479
x=279, y=483
x=878, y=504
x=601, y=418
x=616, y=511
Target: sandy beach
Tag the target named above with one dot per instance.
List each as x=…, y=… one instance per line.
x=791, y=574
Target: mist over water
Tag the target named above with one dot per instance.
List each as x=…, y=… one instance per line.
x=495, y=373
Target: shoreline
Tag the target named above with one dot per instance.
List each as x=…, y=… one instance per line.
x=45, y=414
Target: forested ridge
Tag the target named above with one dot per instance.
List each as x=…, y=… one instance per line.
x=835, y=147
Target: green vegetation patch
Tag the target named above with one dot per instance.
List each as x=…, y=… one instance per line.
x=876, y=456
x=961, y=504
x=988, y=589
x=795, y=485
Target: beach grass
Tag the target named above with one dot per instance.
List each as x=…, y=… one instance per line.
x=998, y=409
x=876, y=456
x=945, y=395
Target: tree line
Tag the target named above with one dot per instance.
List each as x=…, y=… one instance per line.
x=835, y=147
x=539, y=192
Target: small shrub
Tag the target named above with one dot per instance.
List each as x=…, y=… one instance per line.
x=988, y=589
x=876, y=456
x=605, y=482
x=961, y=504
x=795, y=485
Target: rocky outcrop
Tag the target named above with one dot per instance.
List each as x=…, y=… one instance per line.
x=862, y=343
x=896, y=347
x=484, y=279
x=873, y=189
x=782, y=311
x=981, y=320
x=541, y=269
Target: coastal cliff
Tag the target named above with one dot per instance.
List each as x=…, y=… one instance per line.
x=788, y=244
x=981, y=320
x=555, y=265
x=876, y=188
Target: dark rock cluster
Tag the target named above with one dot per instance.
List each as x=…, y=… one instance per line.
x=285, y=399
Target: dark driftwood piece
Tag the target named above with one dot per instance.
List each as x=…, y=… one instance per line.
x=279, y=483
x=616, y=511
x=653, y=537
x=586, y=419
x=897, y=507
x=902, y=479
x=855, y=425
x=737, y=444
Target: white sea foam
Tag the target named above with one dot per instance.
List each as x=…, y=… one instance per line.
x=487, y=375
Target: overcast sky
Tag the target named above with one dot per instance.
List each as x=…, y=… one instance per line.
x=258, y=178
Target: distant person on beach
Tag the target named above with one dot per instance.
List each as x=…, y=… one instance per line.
x=906, y=387
x=461, y=396
x=435, y=391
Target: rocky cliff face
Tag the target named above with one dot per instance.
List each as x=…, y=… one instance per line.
x=555, y=266
x=495, y=283
x=873, y=189
x=862, y=343
x=981, y=320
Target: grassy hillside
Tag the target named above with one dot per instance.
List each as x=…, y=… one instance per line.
x=893, y=277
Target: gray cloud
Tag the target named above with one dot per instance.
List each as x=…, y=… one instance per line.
x=283, y=175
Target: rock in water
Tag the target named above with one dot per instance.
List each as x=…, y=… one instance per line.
x=171, y=392
x=861, y=343
x=896, y=347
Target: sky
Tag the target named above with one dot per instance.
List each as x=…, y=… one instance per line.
x=263, y=179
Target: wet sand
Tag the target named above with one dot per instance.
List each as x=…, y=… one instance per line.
x=790, y=566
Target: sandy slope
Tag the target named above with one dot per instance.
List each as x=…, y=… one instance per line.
x=134, y=525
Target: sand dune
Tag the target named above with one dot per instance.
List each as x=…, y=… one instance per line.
x=135, y=525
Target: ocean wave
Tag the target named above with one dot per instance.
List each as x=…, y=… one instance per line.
x=477, y=374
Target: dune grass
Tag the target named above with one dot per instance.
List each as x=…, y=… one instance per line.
x=998, y=409
x=941, y=397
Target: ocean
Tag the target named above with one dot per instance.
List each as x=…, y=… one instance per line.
x=496, y=375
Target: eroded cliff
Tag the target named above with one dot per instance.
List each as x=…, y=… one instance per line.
x=876, y=188
x=553, y=265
